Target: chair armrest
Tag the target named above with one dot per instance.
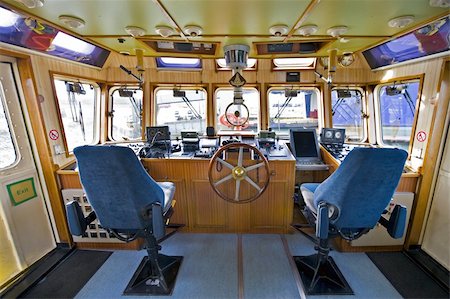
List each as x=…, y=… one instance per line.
x=322, y=222
x=396, y=223
x=75, y=217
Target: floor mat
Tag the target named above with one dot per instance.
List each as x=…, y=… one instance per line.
x=69, y=277
x=408, y=278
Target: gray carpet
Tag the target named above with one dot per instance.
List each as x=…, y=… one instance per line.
x=210, y=269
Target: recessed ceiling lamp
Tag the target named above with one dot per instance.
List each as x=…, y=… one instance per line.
x=135, y=31
x=278, y=30
x=401, y=22
x=72, y=22
x=164, y=31
x=307, y=30
x=193, y=30
x=337, y=31
x=32, y=3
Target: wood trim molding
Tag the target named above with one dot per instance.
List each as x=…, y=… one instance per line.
x=429, y=167
x=43, y=147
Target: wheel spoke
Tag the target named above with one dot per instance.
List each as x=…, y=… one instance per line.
x=228, y=165
x=241, y=154
x=250, y=168
x=251, y=182
x=223, y=180
x=236, y=194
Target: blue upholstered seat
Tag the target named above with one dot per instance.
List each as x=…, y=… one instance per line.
x=117, y=184
x=129, y=204
x=350, y=203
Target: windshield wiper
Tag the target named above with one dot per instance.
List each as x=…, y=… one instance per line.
x=191, y=107
x=280, y=111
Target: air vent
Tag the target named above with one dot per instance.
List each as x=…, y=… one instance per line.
x=182, y=47
x=300, y=47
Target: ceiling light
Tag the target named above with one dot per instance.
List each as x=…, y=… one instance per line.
x=307, y=30
x=126, y=53
x=337, y=31
x=401, y=22
x=135, y=31
x=32, y=3
x=278, y=30
x=72, y=22
x=193, y=30
x=164, y=31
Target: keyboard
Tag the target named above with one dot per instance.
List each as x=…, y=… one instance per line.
x=310, y=165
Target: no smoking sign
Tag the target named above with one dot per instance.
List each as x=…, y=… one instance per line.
x=53, y=134
x=421, y=136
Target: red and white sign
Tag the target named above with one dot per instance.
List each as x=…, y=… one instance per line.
x=421, y=136
x=53, y=134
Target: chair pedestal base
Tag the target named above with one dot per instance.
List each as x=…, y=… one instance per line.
x=154, y=278
x=321, y=276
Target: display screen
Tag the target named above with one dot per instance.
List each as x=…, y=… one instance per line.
x=431, y=39
x=155, y=134
x=304, y=143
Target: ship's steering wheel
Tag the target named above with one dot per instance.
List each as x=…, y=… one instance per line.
x=239, y=173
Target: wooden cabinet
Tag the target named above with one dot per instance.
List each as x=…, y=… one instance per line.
x=204, y=211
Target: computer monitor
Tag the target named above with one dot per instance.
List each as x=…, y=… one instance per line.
x=304, y=144
x=158, y=134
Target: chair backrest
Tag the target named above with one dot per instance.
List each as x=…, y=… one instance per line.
x=117, y=186
x=362, y=186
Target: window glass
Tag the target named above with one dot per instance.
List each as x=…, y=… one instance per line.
x=178, y=63
x=251, y=64
x=224, y=97
x=290, y=109
x=8, y=153
x=126, y=113
x=77, y=103
x=181, y=110
x=397, y=106
x=348, y=113
x=294, y=63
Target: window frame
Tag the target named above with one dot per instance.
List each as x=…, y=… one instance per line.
x=228, y=87
x=111, y=90
x=377, y=108
x=320, y=104
x=11, y=134
x=154, y=109
x=97, y=108
x=365, y=107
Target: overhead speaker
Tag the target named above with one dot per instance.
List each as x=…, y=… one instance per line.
x=236, y=56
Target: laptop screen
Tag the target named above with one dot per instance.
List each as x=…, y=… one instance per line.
x=304, y=143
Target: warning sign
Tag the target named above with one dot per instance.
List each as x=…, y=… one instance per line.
x=421, y=136
x=53, y=134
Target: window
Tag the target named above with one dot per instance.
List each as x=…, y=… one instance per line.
x=224, y=97
x=348, y=108
x=8, y=153
x=293, y=108
x=126, y=113
x=397, y=108
x=181, y=110
x=294, y=63
x=77, y=103
x=178, y=63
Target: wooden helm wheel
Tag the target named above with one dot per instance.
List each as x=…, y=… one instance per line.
x=239, y=172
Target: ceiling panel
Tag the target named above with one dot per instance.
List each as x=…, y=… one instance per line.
x=234, y=21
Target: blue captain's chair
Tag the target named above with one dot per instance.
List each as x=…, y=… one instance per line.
x=348, y=204
x=129, y=204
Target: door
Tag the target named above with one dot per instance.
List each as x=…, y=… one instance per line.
x=26, y=234
x=436, y=238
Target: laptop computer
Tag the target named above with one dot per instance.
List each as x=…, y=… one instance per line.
x=305, y=147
